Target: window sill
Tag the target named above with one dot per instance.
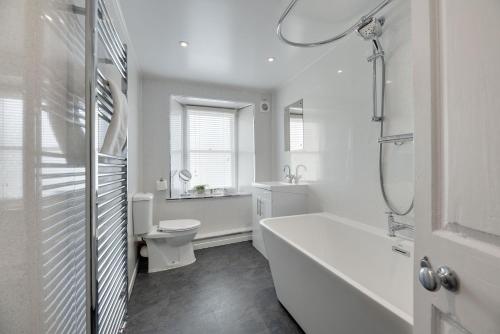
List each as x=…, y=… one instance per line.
x=207, y=196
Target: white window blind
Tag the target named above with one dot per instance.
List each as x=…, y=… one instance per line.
x=210, y=147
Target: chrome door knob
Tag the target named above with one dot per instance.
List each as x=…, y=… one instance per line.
x=427, y=276
x=432, y=280
x=448, y=278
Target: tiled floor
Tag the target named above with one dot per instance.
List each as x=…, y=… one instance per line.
x=228, y=289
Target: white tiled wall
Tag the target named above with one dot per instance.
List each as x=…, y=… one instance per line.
x=341, y=150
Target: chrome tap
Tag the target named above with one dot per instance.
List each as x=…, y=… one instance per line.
x=289, y=177
x=395, y=226
x=297, y=175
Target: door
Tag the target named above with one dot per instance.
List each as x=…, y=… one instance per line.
x=457, y=131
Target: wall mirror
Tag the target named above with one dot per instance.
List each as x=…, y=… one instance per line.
x=294, y=126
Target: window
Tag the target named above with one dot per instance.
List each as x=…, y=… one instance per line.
x=210, y=152
x=203, y=141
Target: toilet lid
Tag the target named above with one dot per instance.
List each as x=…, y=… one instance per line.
x=178, y=225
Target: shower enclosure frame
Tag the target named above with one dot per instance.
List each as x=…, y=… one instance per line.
x=106, y=175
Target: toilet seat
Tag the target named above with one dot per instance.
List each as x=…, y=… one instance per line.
x=173, y=228
x=155, y=234
x=178, y=225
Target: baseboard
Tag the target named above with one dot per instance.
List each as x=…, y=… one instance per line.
x=223, y=233
x=132, y=279
x=222, y=240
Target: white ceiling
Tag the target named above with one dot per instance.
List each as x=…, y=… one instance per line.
x=230, y=40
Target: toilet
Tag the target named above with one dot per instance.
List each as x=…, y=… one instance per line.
x=169, y=244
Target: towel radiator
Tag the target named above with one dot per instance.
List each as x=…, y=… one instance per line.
x=106, y=57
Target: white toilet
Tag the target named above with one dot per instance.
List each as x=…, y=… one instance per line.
x=169, y=242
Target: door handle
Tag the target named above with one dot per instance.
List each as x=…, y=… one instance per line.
x=258, y=206
x=433, y=280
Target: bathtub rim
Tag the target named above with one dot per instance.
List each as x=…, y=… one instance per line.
x=353, y=224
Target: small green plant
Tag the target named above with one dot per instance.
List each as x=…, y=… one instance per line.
x=200, y=189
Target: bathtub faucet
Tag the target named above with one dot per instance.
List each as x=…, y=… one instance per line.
x=395, y=226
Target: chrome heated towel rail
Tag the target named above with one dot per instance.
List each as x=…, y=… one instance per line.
x=106, y=55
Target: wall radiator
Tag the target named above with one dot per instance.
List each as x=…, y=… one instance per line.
x=106, y=59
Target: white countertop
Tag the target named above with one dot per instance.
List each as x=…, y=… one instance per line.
x=280, y=186
x=207, y=196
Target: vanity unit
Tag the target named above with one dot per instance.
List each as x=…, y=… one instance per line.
x=275, y=199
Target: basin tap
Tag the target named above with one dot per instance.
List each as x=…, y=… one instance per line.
x=297, y=175
x=395, y=226
x=289, y=177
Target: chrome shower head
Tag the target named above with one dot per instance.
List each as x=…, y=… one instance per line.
x=370, y=28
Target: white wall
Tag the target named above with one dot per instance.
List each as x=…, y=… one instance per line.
x=134, y=155
x=134, y=141
x=176, y=186
x=246, y=148
x=341, y=150
x=215, y=214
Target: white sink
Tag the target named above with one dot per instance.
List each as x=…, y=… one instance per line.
x=280, y=186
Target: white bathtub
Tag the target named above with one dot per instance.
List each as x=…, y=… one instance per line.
x=337, y=276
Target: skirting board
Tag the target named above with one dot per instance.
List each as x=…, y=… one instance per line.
x=132, y=279
x=222, y=240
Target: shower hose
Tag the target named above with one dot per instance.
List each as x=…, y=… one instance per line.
x=378, y=53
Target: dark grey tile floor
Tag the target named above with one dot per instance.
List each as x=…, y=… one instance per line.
x=229, y=289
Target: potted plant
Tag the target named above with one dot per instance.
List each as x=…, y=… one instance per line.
x=200, y=189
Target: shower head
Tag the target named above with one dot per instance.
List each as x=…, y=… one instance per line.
x=370, y=28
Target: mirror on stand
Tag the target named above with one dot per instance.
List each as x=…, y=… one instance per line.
x=185, y=176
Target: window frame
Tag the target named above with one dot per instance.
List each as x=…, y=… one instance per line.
x=185, y=149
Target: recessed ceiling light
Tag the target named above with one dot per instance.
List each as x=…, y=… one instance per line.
x=184, y=44
x=271, y=59
x=339, y=71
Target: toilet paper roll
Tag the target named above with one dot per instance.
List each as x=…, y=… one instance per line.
x=161, y=185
